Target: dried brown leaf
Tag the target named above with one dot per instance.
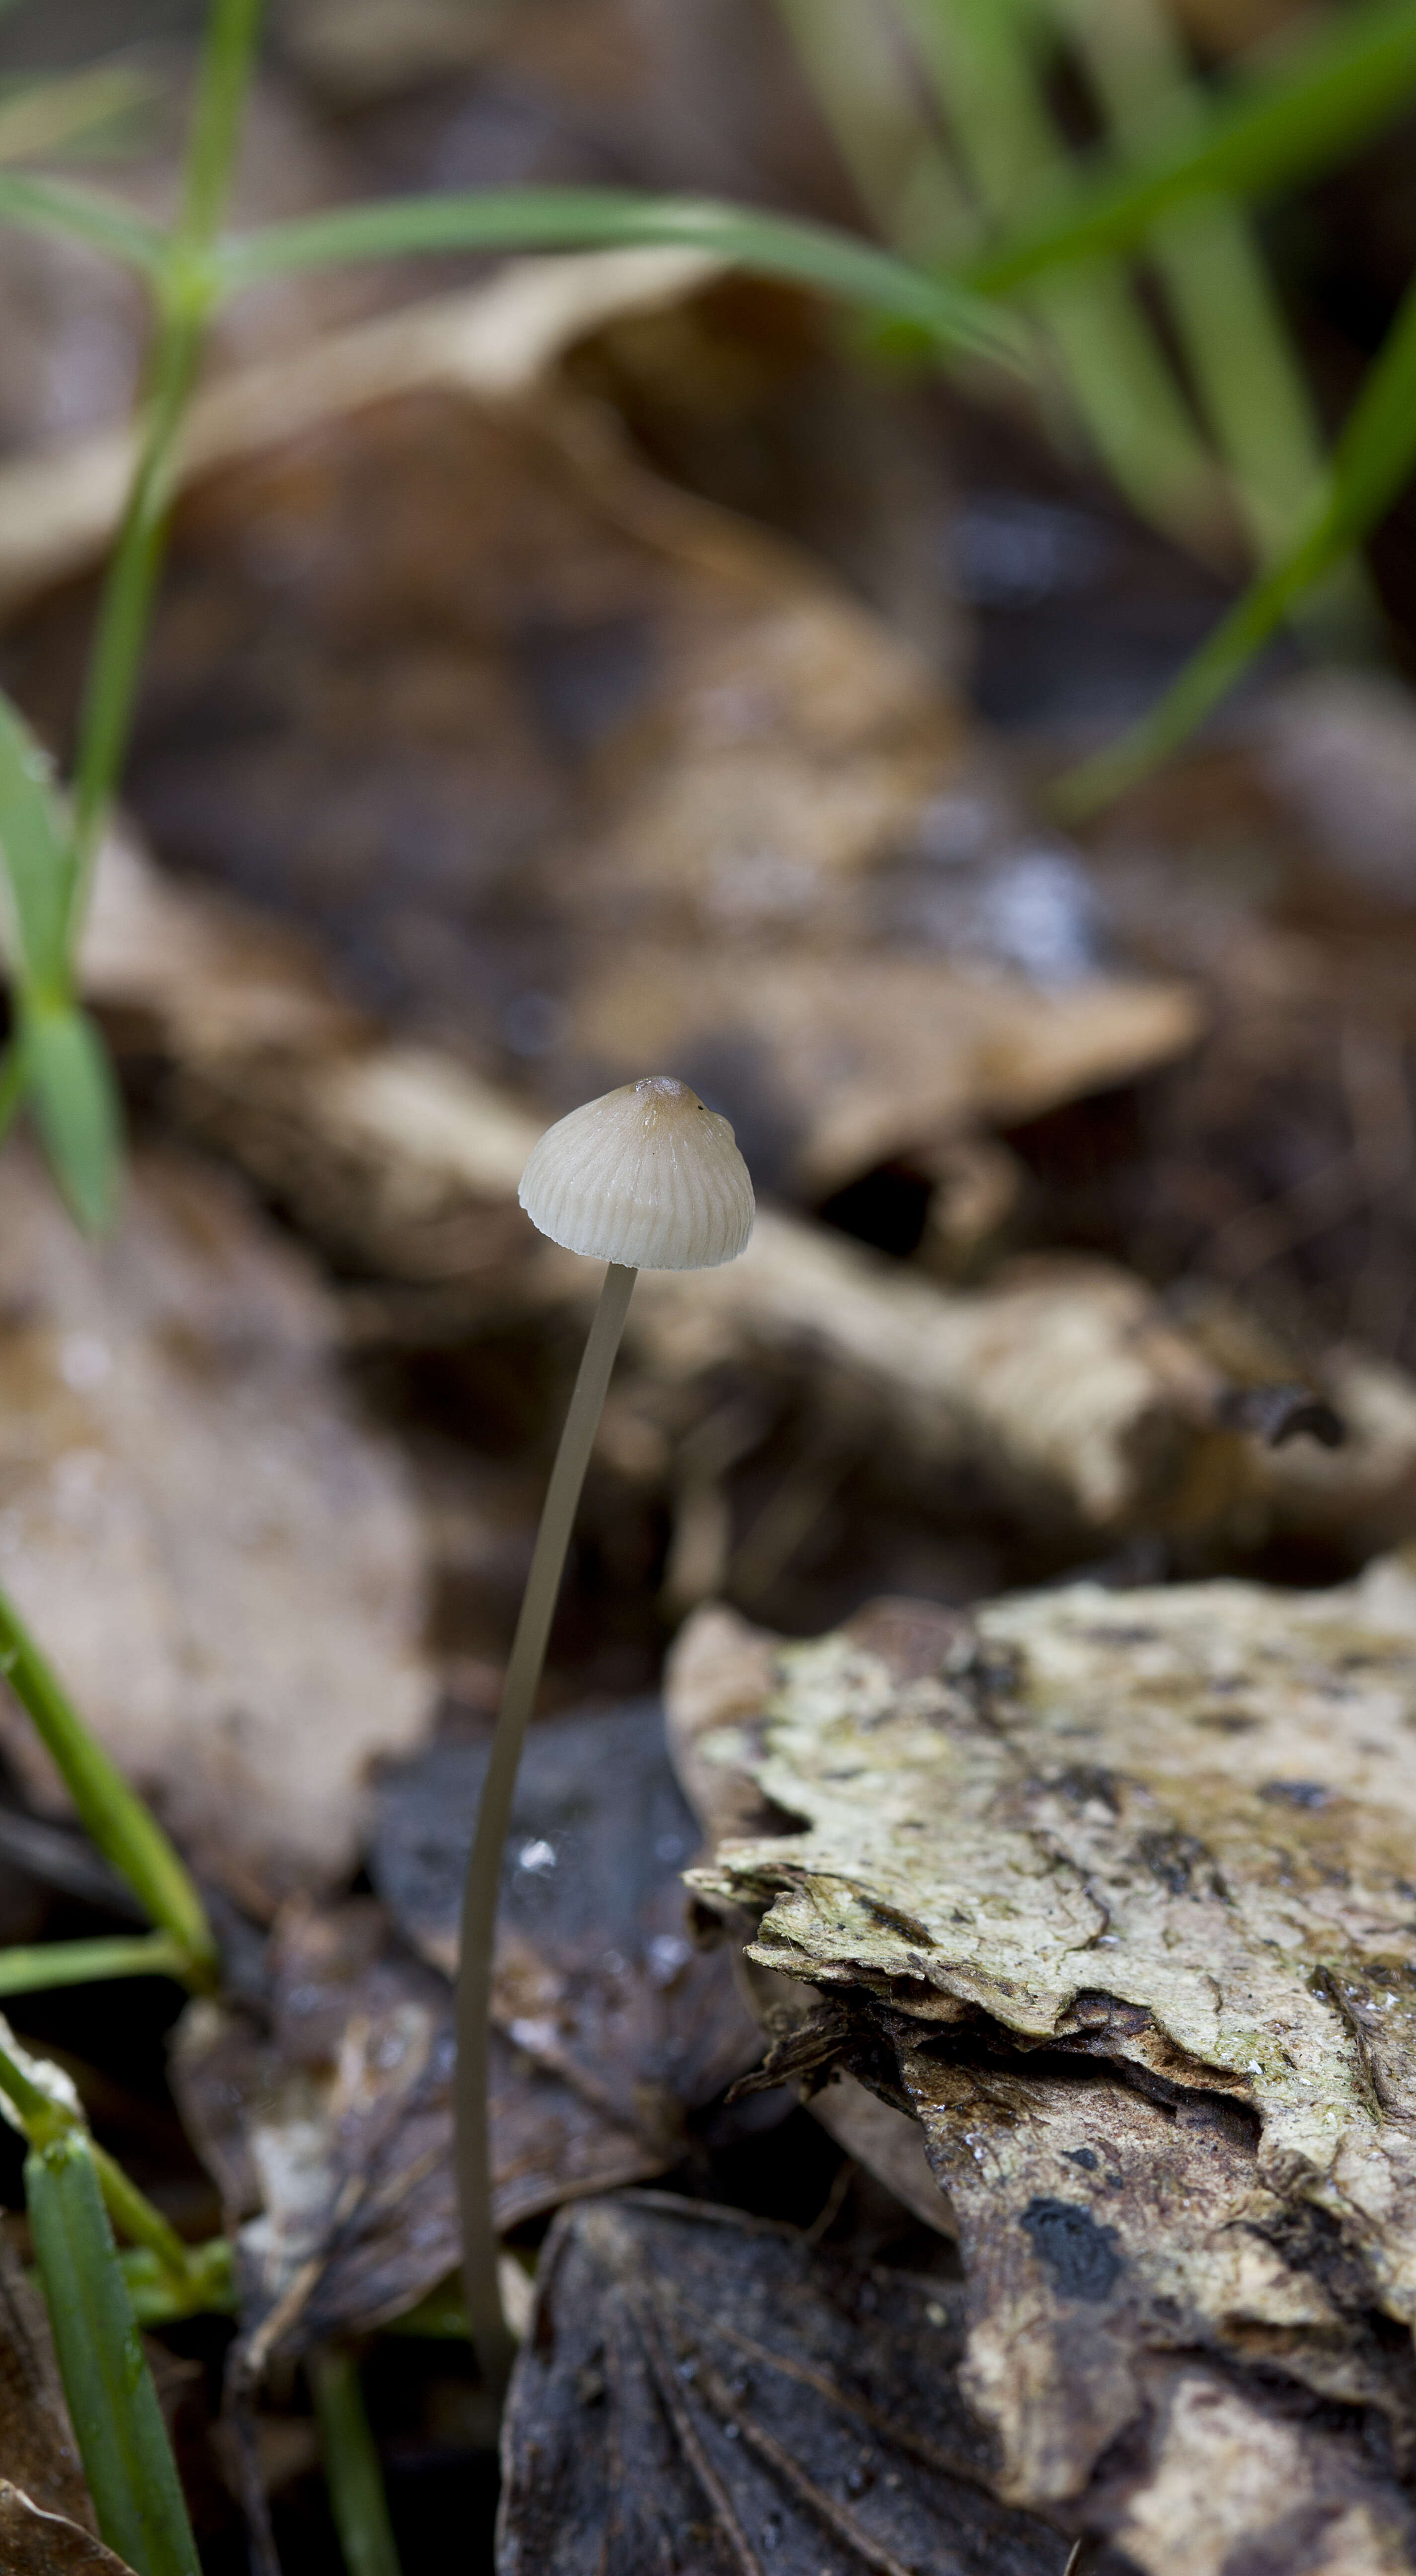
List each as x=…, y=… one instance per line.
x=35, y=2541
x=535, y=647
x=610, y=2029
x=865, y=1054
x=222, y=1559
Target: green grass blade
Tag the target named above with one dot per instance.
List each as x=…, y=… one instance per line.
x=78, y=1963
x=189, y=289
x=508, y=219
x=12, y=1084
x=228, y=57
x=73, y=1098
x=135, y=2216
x=39, y=2098
x=1250, y=386
x=115, y=659
x=37, y=865
x=861, y=75
x=60, y=1061
x=1131, y=407
x=355, y=2479
x=206, y=2288
x=1374, y=458
x=116, y=2417
x=124, y=1830
x=985, y=60
x=46, y=115
x=84, y=214
x=1260, y=133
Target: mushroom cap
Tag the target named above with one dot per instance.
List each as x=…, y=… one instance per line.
x=645, y=1176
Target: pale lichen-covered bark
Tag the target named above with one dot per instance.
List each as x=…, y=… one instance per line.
x=1117, y=1894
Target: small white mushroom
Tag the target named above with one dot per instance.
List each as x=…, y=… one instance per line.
x=646, y=1177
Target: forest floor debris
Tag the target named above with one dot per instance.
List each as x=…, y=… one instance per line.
x=1112, y=1894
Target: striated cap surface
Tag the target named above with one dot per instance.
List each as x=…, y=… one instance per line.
x=645, y=1176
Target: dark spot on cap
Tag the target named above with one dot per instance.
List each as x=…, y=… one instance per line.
x=1081, y=2256
x=1295, y=1793
x=1081, y=2156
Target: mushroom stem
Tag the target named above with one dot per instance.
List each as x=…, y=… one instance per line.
x=482, y=2296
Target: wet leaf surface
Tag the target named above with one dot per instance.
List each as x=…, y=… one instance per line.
x=703, y=2391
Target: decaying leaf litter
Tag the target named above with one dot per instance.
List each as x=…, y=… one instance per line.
x=1095, y=1887
x=717, y=808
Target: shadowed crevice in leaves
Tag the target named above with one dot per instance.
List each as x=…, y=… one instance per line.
x=706, y=2393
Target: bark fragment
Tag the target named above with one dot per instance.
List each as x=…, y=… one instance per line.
x=1112, y=1893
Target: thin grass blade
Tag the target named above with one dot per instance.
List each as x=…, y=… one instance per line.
x=1250, y=386
x=79, y=1963
x=32, y=841
x=862, y=76
x=989, y=61
x=1264, y=131
x=84, y=214
x=207, y=2287
x=116, y=2416
x=124, y=1830
x=594, y=218
x=47, y=114
x=352, y=2470
x=74, y=1100
x=1375, y=457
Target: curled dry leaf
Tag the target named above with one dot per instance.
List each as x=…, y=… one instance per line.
x=705, y=2390
x=331, y=2137
x=1112, y=1894
x=221, y=1558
